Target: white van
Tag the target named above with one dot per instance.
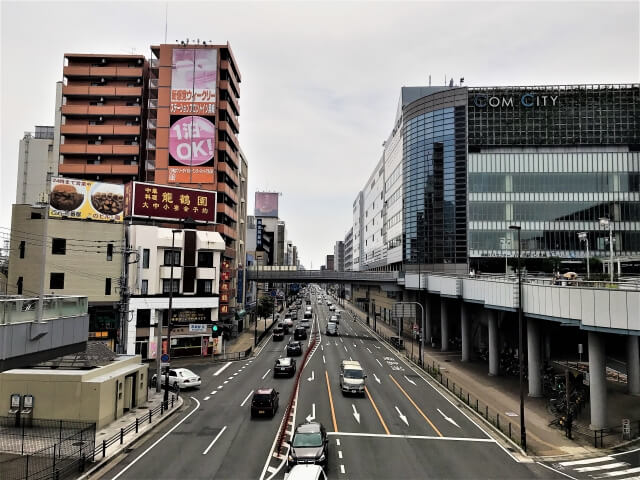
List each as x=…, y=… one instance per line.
x=352, y=377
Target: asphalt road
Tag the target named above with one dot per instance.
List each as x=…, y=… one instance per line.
x=402, y=428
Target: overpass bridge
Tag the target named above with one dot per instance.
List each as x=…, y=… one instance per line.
x=291, y=275
x=24, y=341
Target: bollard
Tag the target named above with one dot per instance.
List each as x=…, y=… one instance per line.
x=172, y=397
x=447, y=383
x=509, y=430
x=161, y=408
x=136, y=424
x=477, y=405
x=454, y=388
x=121, y=436
x=468, y=399
x=149, y=416
x=498, y=420
x=104, y=448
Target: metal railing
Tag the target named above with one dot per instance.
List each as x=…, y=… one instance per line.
x=226, y=357
x=24, y=309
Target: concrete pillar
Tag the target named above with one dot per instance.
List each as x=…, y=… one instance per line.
x=533, y=357
x=444, y=325
x=547, y=347
x=494, y=357
x=633, y=365
x=465, y=331
x=427, y=320
x=597, y=381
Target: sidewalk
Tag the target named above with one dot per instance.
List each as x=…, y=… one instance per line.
x=122, y=433
x=247, y=337
x=500, y=393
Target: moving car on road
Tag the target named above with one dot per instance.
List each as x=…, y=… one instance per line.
x=264, y=402
x=307, y=472
x=284, y=366
x=278, y=333
x=334, y=319
x=309, y=445
x=332, y=328
x=179, y=377
x=294, y=348
x=300, y=333
x=352, y=377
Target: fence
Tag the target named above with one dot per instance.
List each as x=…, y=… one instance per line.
x=72, y=448
x=225, y=357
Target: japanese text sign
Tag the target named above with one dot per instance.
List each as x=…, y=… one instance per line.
x=193, y=81
x=172, y=203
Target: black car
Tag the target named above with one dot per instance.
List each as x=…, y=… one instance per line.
x=278, y=333
x=284, y=367
x=294, y=348
x=309, y=445
x=300, y=333
x=264, y=402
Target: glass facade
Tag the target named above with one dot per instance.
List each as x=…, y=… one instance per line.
x=434, y=174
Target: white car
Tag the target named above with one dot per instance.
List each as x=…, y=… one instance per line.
x=332, y=308
x=179, y=377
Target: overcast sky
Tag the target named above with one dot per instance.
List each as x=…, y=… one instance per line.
x=320, y=80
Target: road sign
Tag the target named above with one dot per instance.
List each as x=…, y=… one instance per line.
x=403, y=310
x=164, y=358
x=197, y=328
x=273, y=293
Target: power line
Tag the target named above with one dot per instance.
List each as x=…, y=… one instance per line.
x=18, y=232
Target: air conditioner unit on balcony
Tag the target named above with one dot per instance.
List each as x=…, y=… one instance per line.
x=99, y=157
x=135, y=138
x=137, y=119
x=104, y=60
x=102, y=99
x=100, y=119
x=135, y=158
x=139, y=61
x=138, y=100
x=99, y=137
x=139, y=80
x=102, y=80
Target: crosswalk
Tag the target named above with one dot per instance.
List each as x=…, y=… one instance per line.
x=600, y=468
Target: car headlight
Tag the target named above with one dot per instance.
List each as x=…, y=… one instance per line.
x=321, y=458
x=291, y=458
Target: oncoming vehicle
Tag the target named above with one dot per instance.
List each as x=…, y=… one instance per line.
x=307, y=315
x=309, y=445
x=264, y=402
x=179, y=377
x=284, y=366
x=332, y=308
x=352, y=377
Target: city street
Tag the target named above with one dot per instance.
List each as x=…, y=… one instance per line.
x=401, y=428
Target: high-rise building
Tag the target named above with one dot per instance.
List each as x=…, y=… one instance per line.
x=338, y=255
x=35, y=161
x=102, y=117
x=330, y=263
x=348, y=251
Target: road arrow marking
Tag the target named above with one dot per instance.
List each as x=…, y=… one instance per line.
x=378, y=362
x=409, y=380
x=313, y=413
x=323, y=360
x=377, y=346
x=376, y=377
x=402, y=417
x=356, y=415
x=448, y=419
x=369, y=350
x=312, y=377
x=354, y=344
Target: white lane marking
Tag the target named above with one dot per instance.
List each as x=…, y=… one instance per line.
x=354, y=345
x=621, y=472
x=222, y=369
x=409, y=380
x=271, y=469
x=312, y=416
x=323, y=360
x=345, y=348
x=235, y=374
x=369, y=350
x=206, y=398
x=219, y=387
x=361, y=341
x=417, y=437
x=587, y=461
x=245, y=400
x=356, y=415
x=402, y=417
x=337, y=441
x=214, y=440
x=160, y=439
x=339, y=453
x=322, y=347
x=378, y=362
x=376, y=377
x=312, y=377
x=214, y=392
x=230, y=378
x=607, y=466
x=557, y=471
x=225, y=382
x=267, y=373
x=341, y=468
x=341, y=341
x=448, y=419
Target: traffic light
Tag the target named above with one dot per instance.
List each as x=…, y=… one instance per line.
x=215, y=329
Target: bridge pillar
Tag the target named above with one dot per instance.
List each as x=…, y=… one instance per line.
x=427, y=320
x=444, y=325
x=494, y=359
x=533, y=357
x=465, y=330
x=597, y=381
x=633, y=365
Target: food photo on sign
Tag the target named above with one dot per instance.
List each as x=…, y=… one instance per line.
x=81, y=199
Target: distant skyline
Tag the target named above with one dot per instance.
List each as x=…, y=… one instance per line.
x=320, y=80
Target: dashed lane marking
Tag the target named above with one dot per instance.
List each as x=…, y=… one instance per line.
x=214, y=440
x=339, y=453
x=247, y=398
x=206, y=398
x=220, y=370
x=341, y=468
x=378, y=362
x=266, y=373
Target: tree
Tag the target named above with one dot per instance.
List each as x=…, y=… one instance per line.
x=265, y=306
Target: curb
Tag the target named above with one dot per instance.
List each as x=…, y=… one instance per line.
x=107, y=460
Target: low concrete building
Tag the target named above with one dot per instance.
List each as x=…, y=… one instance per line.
x=99, y=394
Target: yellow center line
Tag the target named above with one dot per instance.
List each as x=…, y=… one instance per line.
x=416, y=406
x=384, y=425
x=333, y=412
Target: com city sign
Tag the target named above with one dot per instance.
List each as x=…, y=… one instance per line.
x=527, y=100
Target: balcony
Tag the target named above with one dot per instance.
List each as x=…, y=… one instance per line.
x=225, y=65
x=75, y=109
x=100, y=110
x=129, y=91
x=224, y=85
x=227, y=210
x=129, y=72
x=73, y=148
x=75, y=71
x=152, y=123
x=226, y=168
x=128, y=111
x=99, y=149
x=102, y=71
x=73, y=129
x=126, y=130
x=126, y=149
x=229, y=252
x=222, y=125
x=227, y=231
x=205, y=273
x=125, y=170
x=226, y=189
x=98, y=169
x=165, y=272
x=224, y=105
x=102, y=91
x=100, y=129
x=71, y=169
x=153, y=83
x=69, y=91
x=153, y=103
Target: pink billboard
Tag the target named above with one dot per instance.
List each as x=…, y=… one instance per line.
x=266, y=204
x=193, y=81
x=191, y=149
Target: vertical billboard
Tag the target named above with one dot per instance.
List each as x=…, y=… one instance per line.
x=266, y=204
x=192, y=136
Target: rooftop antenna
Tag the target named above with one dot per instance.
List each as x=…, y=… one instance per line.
x=429, y=79
x=166, y=20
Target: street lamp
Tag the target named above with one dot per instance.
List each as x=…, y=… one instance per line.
x=605, y=222
x=170, y=313
x=583, y=236
x=523, y=431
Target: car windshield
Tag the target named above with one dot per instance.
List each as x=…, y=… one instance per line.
x=301, y=440
x=353, y=374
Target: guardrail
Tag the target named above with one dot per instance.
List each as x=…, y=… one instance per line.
x=22, y=309
x=226, y=357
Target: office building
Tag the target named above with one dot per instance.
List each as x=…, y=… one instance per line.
x=338, y=255
x=330, y=263
x=348, y=251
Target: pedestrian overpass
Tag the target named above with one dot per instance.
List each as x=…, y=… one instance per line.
x=291, y=275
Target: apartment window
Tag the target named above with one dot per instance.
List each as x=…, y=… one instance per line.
x=56, y=280
x=145, y=258
x=59, y=246
x=143, y=318
x=19, y=285
x=204, y=287
x=166, y=282
x=172, y=253
x=205, y=259
x=109, y=252
x=144, y=287
x=36, y=215
x=21, y=248
x=107, y=286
